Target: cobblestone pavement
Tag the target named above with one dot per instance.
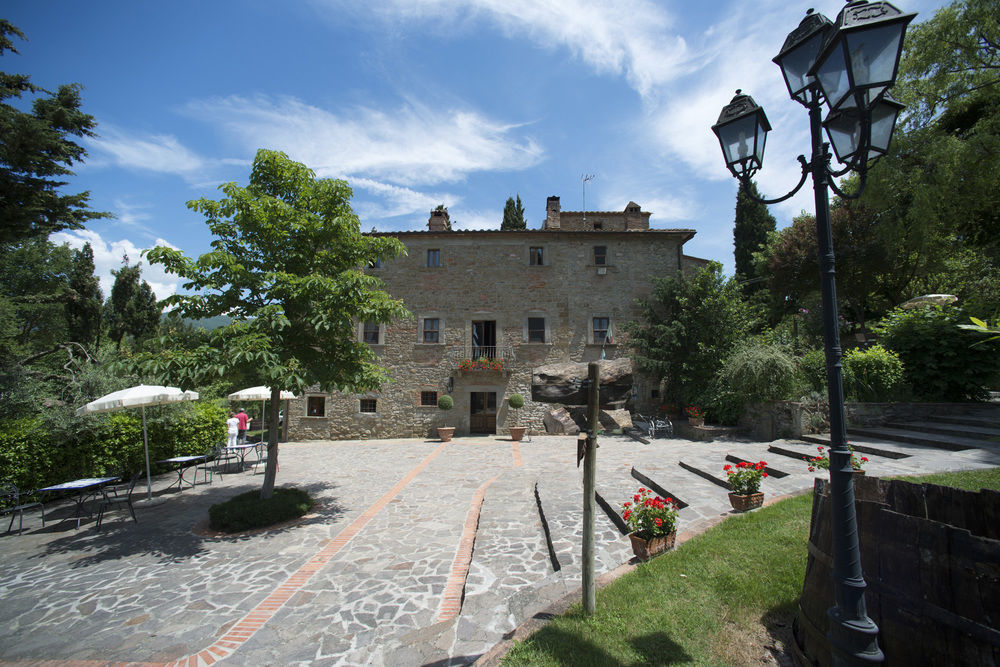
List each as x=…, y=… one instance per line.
x=417, y=552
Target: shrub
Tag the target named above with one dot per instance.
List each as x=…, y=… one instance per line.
x=248, y=511
x=446, y=402
x=754, y=373
x=811, y=371
x=872, y=374
x=940, y=360
x=516, y=401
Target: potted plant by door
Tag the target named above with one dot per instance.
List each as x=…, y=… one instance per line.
x=445, y=403
x=653, y=523
x=745, y=481
x=516, y=402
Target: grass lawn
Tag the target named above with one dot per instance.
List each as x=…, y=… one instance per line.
x=720, y=599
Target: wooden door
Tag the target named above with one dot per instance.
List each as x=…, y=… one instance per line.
x=484, y=339
x=483, y=412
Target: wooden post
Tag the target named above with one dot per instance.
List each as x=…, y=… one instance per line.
x=589, y=481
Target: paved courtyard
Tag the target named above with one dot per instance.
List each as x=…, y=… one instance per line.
x=417, y=553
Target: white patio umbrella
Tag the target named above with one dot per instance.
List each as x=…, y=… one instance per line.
x=260, y=393
x=139, y=397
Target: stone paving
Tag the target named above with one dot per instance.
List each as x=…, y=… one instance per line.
x=375, y=574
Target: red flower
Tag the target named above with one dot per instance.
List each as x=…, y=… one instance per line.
x=659, y=522
x=764, y=474
x=626, y=504
x=727, y=467
x=626, y=515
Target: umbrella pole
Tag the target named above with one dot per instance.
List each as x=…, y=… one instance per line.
x=145, y=446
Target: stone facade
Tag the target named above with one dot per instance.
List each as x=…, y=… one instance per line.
x=526, y=298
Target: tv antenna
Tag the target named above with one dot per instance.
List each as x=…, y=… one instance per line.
x=584, y=178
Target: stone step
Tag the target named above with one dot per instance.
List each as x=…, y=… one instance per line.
x=977, y=430
x=890, y=450
x=952, y=443
x=984, y=421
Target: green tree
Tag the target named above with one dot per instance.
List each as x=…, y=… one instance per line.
x=85, y=301
x=513, y=215
x=685, y=330
x=286, y=266
x=36, y=151
x=132, y=308
x=752, y=225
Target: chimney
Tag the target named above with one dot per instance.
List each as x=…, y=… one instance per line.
x=551, y=213
x=635, y=219
x=439, y=220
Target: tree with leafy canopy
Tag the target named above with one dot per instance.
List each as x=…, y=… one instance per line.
x=752, y=225
x=36, y=152
x=84, y=301
x=286, y=265
x=132, y=308
x=513, y=215
x=686, y=329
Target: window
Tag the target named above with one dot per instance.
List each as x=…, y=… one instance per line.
x=434, y=257
x=371, y=333
x=654, y=393
x=536, y=329
x=368, y=405
x=316, y=406
x=536, y=257
x=600, y=255
x=602, y=330
x=429, y=398
x=598, y=226
x=432, y=330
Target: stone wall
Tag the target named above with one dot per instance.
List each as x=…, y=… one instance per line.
x=486, y=275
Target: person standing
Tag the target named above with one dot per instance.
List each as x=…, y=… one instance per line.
x=232, y=429
x=244, y=421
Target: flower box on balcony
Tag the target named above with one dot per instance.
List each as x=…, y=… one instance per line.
x=482, y=365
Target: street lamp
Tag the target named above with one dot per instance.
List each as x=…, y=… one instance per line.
x=849, y=65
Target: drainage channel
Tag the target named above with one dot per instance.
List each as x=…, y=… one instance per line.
x=706, y=475
x=659, y=489
x=545, y=529
x=768, y=469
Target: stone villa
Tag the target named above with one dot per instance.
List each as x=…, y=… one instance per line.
x=490, y=306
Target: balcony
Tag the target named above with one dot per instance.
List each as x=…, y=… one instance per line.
x=486, y=359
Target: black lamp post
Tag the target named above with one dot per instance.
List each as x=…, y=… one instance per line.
x=849, y=65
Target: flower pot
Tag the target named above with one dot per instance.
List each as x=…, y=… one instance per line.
x=859, y=472
x=445, y=433
x=743, y=503
x=517, y=432
x=644, y=549
x=696, y=421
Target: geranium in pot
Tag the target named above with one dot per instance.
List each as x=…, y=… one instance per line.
x=822, y=461
x=695, y=415
x=745, y=479
x=445, y=403
x=516, y=402
x=652, y=522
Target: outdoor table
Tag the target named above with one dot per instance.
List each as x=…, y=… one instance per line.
x=183, y=463
x=241, y=451
x=86, y=487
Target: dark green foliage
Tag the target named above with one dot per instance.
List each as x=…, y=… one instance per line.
x=248, y=511
x=750, y=231
x=132, y=309
x=513, y=215
x=686, y=328
x=940, y=360
x=446, y=402
x=516, y=401
x=33, y=453
x=811, y=369
x=871, y=375
x=36, y=152
x=84, y=301
x=753, y=373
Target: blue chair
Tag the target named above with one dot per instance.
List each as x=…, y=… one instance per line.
x=10, y=503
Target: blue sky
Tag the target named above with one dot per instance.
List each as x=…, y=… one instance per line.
x=417, y=103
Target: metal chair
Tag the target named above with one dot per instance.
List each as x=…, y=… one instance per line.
x=110, y=497
x=261, y=451
x=207, y=465
x=10, y=503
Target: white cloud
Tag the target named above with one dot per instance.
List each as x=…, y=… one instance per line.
x=108, y=255
x=411, y=145
x=150, y=152
x=629, y=37
x=390, y=201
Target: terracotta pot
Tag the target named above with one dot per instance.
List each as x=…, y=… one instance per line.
x=445, y=433
x=696, y=421
x=645, y=549
x=743, y=503
x=859, y=472
x=517, y=432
